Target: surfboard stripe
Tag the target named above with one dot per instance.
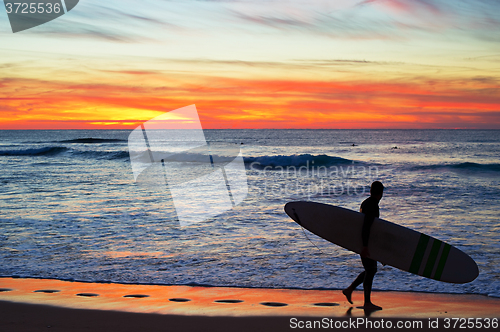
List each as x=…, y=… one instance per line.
x=442, y=261
x=432, y=258
x=419, y=253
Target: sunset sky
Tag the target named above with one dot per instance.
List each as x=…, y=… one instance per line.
x=256, y=64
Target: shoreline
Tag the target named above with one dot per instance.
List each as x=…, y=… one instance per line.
x=42, y=304
x=235, y=287
x=239, y=302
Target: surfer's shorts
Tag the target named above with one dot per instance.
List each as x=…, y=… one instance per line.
x=369, y=264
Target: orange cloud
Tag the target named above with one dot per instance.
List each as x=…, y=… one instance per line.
x=251, y=103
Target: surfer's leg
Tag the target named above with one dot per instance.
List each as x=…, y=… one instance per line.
x=348, y=291
x=371, y=269
x=358, y=281
x=367, y=284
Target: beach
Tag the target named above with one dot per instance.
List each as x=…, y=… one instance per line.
x=49, y=318
x=33, y=304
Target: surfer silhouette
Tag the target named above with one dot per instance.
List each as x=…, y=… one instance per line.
x=371, y=210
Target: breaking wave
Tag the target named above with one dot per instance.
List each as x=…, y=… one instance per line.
x=45, y=151
x=466, y=166
x=52, y=151
x=91, y=140
x=302, y=160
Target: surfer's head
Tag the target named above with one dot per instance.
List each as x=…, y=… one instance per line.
x=377, y=190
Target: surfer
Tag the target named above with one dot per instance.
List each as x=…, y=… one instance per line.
x=371, y=210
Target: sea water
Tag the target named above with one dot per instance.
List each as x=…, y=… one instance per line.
x=70, y=208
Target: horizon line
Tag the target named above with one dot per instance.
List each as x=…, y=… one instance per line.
x=82, y=129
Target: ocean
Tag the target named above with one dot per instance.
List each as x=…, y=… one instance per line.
x=70, y=208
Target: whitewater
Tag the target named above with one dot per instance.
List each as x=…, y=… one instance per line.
x=71, y=210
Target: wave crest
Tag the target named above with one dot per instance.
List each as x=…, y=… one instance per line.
x=91, y=140
x=465, y=166
x=51, y=151
x=302, y=160
x=45, y=151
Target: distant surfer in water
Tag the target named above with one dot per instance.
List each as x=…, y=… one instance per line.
x=371, y=210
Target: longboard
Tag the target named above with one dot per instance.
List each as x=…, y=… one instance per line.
x=389, y=243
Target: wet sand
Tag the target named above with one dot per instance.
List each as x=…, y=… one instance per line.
x=34, y=304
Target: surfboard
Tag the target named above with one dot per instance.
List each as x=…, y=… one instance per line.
x=389, y=243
